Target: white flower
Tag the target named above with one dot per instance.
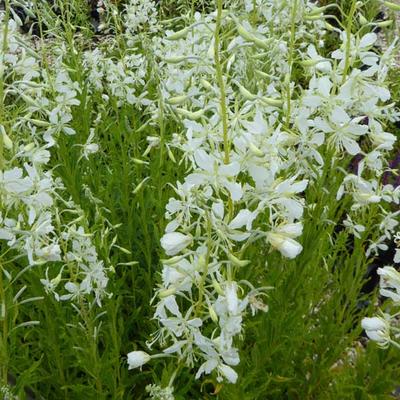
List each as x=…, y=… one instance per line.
x=282, y=239
x=390, y=283
x=137, y=359
x=174, y=242
x=344, y=131
x=354, y=229
x=377, y=329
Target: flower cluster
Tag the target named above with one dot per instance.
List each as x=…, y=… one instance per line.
x=32, y=222
x=384, y=329
x=252, y=145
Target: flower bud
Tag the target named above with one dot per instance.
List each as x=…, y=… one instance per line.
x=384, y=24
x=377, y=329
x=137, y=359
x=246, y=94
x=175, y=60
x=272, y=102
x=255, y=150
x=166, y=292
x=213, y=314
x=29, y=147
x=363, y=21
x=251, y=38
x=207, y=85
x=218, y=287
x=174, y=242
x=193, y=116
x=176, y=100
x=236, y=261
x=8, y=144
x=179, y=34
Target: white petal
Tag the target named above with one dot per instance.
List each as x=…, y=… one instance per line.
x=243, y=218
x=368, y=40
x=229, y=373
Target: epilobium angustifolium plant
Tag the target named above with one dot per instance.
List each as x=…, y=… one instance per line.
x=196, y=198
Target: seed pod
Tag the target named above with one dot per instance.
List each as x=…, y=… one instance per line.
x=392, y=6
x=179, y=34
x=190, y=114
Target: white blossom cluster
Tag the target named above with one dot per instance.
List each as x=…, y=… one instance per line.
x=32, y=204
x=249, y=185
x=384, y=328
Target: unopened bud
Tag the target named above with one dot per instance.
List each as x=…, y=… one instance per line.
x=218, y=287
x=251, y=38
x=166, y=292
x=363, y=21
x=213, y=314
x=140, y=185
x=384, y=24
x=255, y=150
x=190, y=114
x=272, y=102
x=176, y=100
x=237, y=262
x=29, y=147
x=246, y=94
x=207, y=85
x=178, y=35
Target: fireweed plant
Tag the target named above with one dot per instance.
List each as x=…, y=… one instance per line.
x=192, y=197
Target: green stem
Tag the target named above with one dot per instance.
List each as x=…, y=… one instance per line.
x=2, y=69
x=290, y=59
x=220, y=80
x=348, y=39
